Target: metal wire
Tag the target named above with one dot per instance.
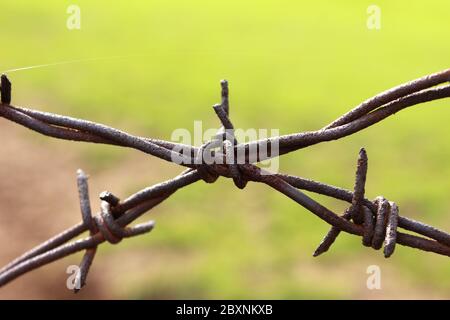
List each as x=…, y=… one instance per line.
x=375, y=221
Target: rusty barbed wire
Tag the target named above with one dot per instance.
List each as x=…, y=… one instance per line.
x=376, y=221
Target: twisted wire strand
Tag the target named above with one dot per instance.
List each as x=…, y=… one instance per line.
x=377, y=221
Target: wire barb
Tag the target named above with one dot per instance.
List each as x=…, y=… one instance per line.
x=383, y=226
x=5, y=89
x=356, y=209
x=377, y=221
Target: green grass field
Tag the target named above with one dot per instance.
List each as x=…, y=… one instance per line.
x=293, y=66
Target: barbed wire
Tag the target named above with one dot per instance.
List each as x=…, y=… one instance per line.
x=375, y=221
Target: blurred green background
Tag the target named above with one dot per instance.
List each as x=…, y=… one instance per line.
x=293, y=66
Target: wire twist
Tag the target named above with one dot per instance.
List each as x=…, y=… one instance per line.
x=225, y=140
x=105, y=224
x=377, y=226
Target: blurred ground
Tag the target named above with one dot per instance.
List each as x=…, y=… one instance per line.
x=292, y=66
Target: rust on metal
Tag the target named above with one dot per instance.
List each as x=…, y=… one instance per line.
x=376, y=221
